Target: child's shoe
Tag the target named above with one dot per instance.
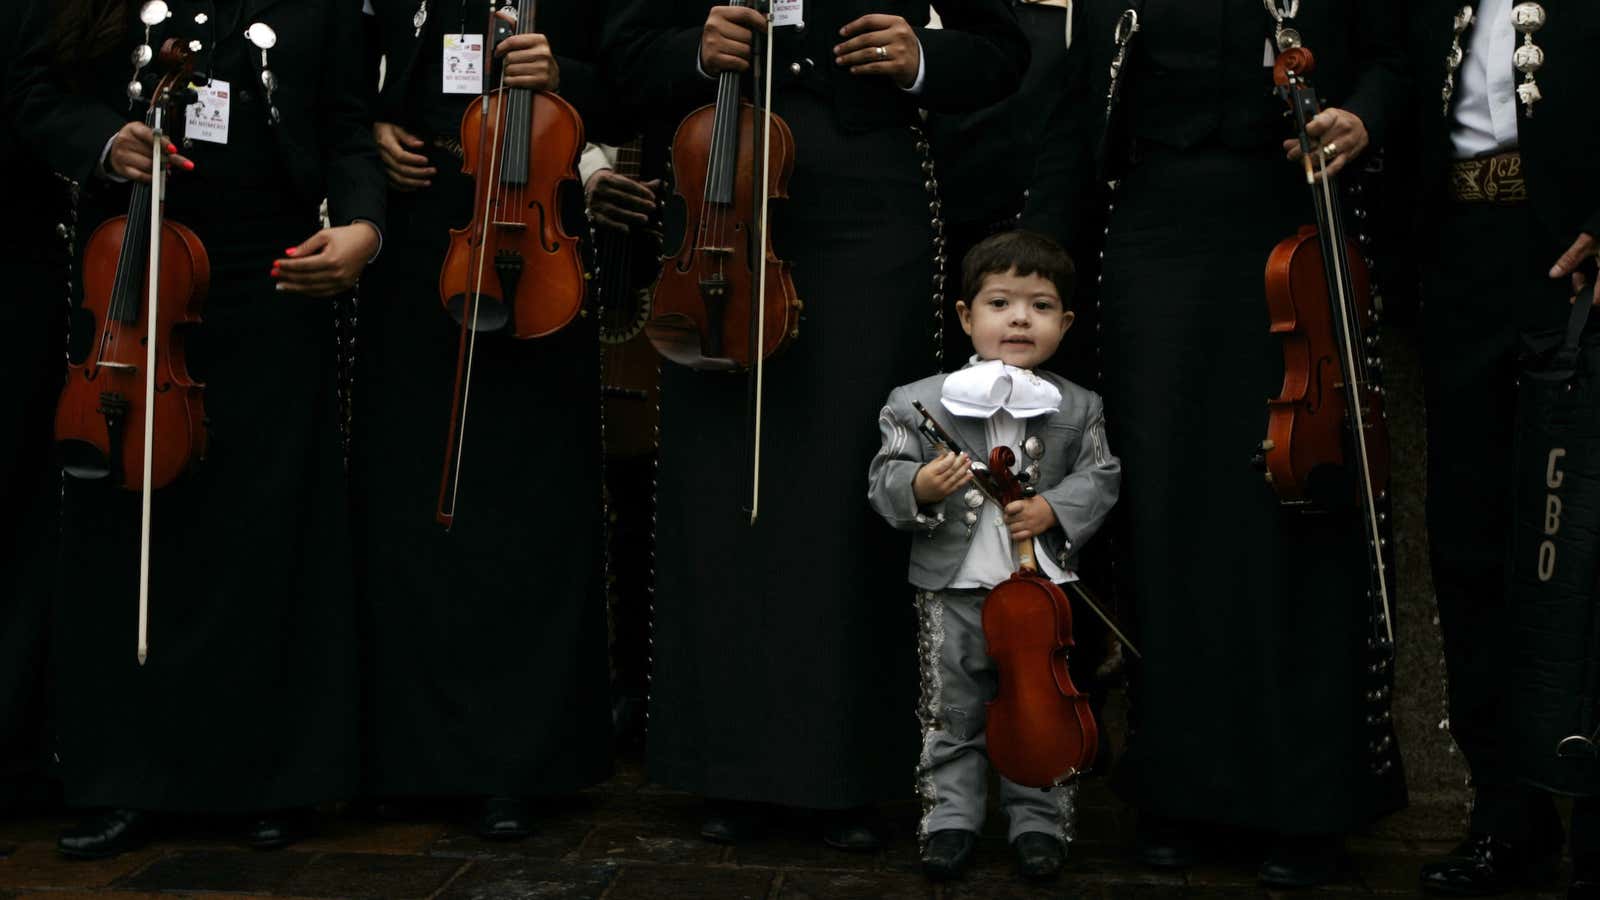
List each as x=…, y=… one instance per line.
x=947, y=853
x=1039, y=855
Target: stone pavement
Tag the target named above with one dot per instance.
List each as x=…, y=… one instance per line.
x=627, y=840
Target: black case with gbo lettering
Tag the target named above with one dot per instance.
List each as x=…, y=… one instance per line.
x=1553, y=668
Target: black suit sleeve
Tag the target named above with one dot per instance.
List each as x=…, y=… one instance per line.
x=653, y=46
x=1063, y=200
x=353, y=174
x=67, y=129
x=1380, y=94
x=977, y=58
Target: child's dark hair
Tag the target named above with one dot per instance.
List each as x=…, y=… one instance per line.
x=1023, y=252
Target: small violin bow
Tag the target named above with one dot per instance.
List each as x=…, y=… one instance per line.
x=943, y=440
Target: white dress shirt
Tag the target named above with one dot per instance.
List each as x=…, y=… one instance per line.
x=1486, y=85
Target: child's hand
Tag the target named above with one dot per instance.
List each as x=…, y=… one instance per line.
x=1029, y=518
x=941, y=478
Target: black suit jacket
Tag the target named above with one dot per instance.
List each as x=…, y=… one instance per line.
x=977, y=58
x=1190, y=53
x=1560, y=144
x=324, y=137
x=573, y=28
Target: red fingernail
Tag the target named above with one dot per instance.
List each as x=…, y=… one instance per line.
x=172, y=148
x=274, y=271
x=290, y=251
x=188, y=166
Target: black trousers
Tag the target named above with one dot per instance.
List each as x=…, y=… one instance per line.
x=1486, y=283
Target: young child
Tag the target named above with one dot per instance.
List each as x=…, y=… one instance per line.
x=1017, y=285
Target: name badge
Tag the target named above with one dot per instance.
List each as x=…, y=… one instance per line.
x=207, y=118
x=788, y=12
x=463, y=64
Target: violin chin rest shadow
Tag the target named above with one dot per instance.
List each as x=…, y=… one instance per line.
x=493, y=315
x=83, y=460
x=677, y=338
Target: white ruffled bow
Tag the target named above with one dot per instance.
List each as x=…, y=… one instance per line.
x=984, y=388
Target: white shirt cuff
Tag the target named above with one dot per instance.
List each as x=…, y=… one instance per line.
x=105, y=171
x=596, y=158
x=922, y=71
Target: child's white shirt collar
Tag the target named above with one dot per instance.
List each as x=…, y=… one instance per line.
x=985, y=387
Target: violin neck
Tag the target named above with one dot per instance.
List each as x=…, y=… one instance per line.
x=126, y=296
x=1026, y=561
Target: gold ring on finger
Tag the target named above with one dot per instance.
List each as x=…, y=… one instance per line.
x=1330, y=150
x=883, y=52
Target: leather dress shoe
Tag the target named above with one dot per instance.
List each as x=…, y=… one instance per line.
x=1302, y=862
x=1484, y=865
x=1167, y=843
x=105, y=835
x=947, y=853
x=1585, y=884
x=729, y=822
x=850, y=830
x=505, y=819
x=1039, y=856
x=274, y=830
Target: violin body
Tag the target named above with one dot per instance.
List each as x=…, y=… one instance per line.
x=1041, y=729
x=1307, y=428
x=516, y=258
x=101, y=416
x=702, y=312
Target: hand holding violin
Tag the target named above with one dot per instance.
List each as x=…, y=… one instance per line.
x=327, y=263
x=880, y=45
x=129, y=155
x=1341, y=137
x=1029, y=518
x=725, y=42
x=529, y=62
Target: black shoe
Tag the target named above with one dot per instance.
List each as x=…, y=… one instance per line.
x=105, y=835
x=1302, y=862
x=275, y=830
x=851, y=830
x=947, y=853
x=504, y=819
x=1484, y=865
x=1585, y=884
x=729, y=822
x=1167, y=844
x=1039, y=856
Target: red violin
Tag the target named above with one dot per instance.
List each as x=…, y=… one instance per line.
x=1042, y=731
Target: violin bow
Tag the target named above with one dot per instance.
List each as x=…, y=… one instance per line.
x=158, y=187
x=763, y=159
x=982, y=478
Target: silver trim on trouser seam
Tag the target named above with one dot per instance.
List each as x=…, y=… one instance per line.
x=930, y=644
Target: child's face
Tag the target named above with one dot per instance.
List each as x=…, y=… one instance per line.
x=1018, y=319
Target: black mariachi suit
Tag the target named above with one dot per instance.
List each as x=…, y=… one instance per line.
x=1266, y=603
x=32, y=319
x=1486, y=282
x=487, y=646
x=783, y=651
x=248, y=700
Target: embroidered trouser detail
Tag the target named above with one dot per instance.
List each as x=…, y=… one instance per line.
x=958, y=680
